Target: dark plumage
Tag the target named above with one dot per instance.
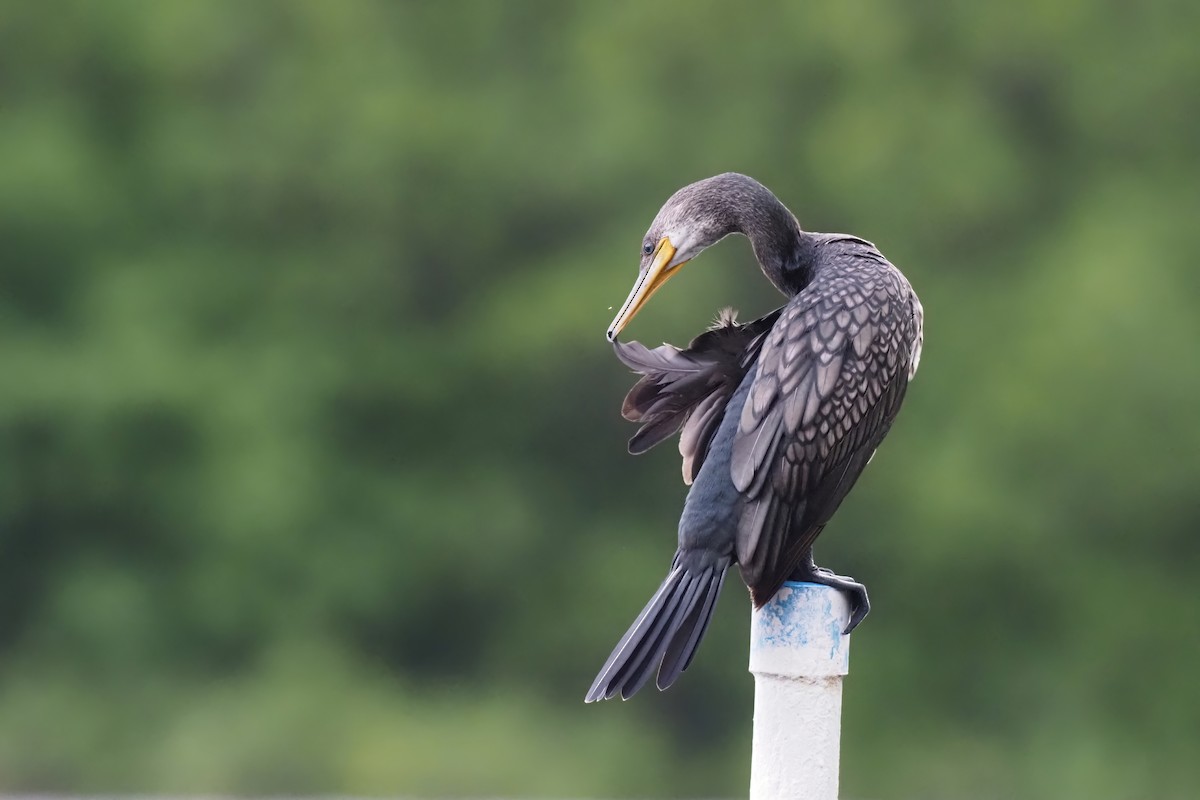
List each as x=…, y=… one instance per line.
x=778, y=417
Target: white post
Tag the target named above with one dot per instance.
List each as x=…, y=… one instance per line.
x=798, y=656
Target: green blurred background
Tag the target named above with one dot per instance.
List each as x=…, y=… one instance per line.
x=313, y=479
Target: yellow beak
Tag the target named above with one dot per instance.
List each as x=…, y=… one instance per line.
x=647, y=284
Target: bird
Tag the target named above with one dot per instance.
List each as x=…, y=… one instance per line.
x=776, y=417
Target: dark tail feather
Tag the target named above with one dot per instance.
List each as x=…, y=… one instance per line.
x=638, y=670
x=673, y=623
x=679, y=654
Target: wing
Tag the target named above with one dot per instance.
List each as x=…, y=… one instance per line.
x=689, y=388
x=831, y=376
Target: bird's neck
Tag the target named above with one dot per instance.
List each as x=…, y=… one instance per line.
x=785, y=253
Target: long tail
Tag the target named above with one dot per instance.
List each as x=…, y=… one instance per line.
x=667, y=631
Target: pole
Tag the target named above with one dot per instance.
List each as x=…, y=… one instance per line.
x=798, y=656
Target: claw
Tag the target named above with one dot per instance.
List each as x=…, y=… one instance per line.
x=861, y=608
x=855, y=592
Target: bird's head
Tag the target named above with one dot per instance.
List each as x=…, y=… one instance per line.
x=695, y=217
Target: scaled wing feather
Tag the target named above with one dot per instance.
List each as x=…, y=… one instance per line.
x=830, y=378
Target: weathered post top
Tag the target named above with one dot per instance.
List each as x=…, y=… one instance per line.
x=798, y=656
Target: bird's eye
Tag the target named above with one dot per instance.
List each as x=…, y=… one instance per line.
x=647, y=248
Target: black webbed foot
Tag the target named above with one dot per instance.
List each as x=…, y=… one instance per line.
x=860, y=605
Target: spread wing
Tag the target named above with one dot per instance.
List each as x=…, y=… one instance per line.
x=689, y=388
x=831, y=376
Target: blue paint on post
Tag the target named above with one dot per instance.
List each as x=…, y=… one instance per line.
x=806, y=620
x=835, y=630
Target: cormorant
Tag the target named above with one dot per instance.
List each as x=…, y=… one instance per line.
x=778, y=416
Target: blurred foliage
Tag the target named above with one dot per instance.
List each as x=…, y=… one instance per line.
x=311, y=473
